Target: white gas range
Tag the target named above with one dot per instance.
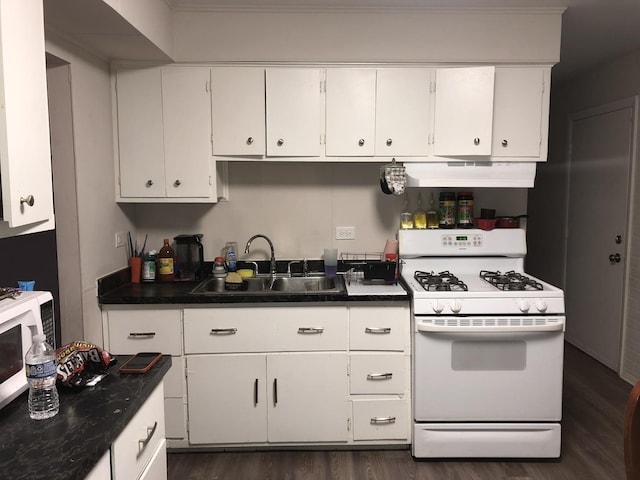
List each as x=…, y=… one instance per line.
x=487, y=346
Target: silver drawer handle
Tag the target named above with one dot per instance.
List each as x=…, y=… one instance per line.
x=376, y=420
x=142, y=444
x=377, y=330
x=142, y=334
x=379, y=376
x=223, y=331
x=310, y=330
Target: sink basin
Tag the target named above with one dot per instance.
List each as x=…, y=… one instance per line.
x=265, y=285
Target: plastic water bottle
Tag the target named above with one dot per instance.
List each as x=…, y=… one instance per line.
x=231, y=260
x=41, y=374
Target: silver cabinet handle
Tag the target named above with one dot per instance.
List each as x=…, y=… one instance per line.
x=249, y=140
x=177, y=183
x=361, y=142
x=476, y=141
x=280, y=142
x=504, y=143
x=310, y=330
x=255, y=392
x=29, y=200
x=149, y=183
x=389, y=142
x=223, y=331
x=379, y=376
x=275, y=392
x=142, y=334
x=142, y=444
x=377, y=330
x=375, y=420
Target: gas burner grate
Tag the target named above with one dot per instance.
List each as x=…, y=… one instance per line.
x=510, y=280
x=440, y=282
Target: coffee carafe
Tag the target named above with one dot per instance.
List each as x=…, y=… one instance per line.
x=189, y=257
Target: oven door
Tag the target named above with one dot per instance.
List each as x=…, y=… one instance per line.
x=474, y=372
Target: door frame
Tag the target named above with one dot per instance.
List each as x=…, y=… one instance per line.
x=628, y=102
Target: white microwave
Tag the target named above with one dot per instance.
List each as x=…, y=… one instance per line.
x=20, y=319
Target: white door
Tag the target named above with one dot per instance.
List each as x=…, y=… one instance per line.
x=601, y=142
x=307, y=397
x=227, y=398
x=463, y=111
x=293, y=112
x=351, y=112
x=238, y=111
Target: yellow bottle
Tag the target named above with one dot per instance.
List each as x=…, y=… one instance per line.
x=432, y=214
x=406, y=217
x=420, y=216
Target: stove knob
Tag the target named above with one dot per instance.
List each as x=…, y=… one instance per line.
x=523, y=305
x=456, y=306
x=542, y=306
x=437, y=307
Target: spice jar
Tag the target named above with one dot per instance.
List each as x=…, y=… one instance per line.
x=465, y=209
x=447, y=210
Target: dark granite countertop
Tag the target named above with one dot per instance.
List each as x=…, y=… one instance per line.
x=116, y=289
x=69, y=445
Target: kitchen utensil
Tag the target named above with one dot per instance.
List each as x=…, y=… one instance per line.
x=190, y=257
x=393, y=178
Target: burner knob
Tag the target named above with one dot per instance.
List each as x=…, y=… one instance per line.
x=456, y=306
x=523, y=305
x=541, y=305
x=437, y=307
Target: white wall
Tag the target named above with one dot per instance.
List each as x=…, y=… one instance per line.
x=98, y=215
x=547, y=202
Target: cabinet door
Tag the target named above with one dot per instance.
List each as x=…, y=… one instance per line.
x=227, y=398
x=307, y=397
x=293, y=112
x=186, y=103
x=402, y=112
x=351, y=112
x=238, y=111
x=140, y=137
x=517, y=117
x=463, y=111
x=25, y=156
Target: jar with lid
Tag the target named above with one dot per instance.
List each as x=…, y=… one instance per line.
x=219, y=270
x=166, y=254
x=465, y=209
x=447, y=210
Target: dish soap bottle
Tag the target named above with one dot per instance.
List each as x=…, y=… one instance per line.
x=165, y=262
x=420, y=216
x=432, y=214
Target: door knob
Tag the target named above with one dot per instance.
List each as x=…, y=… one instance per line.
x=618, y=239
x=615, y=258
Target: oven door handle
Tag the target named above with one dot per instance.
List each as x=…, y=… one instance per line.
x=553, y=327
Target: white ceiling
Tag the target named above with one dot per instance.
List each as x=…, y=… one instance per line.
x=593, y=31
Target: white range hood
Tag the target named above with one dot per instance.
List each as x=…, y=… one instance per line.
x=471, y=174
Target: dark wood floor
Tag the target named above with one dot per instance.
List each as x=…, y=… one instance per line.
x=593, y=411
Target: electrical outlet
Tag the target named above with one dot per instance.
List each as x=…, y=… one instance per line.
x=119, y=239
x=345, y=233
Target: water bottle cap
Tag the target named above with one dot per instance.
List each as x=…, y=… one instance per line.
x=38, y=338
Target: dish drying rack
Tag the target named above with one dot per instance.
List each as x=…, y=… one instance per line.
x=369, y=267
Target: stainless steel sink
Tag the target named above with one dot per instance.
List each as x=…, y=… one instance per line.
x=267, y=285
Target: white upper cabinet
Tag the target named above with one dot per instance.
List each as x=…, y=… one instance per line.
x=351, y=112
x=25, y=154
x=293, y=112
x=463, y=111
x=164, y=135
x=520, y=121
x=402, y=112
x=238, y=111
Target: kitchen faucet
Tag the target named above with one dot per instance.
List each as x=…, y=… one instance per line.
x=273, y=254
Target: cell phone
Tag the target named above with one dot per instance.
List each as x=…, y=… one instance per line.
x=140, y=362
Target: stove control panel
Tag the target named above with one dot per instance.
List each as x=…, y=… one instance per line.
x=457, y=240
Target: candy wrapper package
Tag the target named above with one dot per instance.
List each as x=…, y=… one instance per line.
x=82, y=364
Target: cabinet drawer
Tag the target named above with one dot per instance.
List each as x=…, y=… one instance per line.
x=137, y=443
x=378, y=328
x=131, y=332
x=228, y=330
x=380, y=420
x=265, y=329
x=378, y=373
